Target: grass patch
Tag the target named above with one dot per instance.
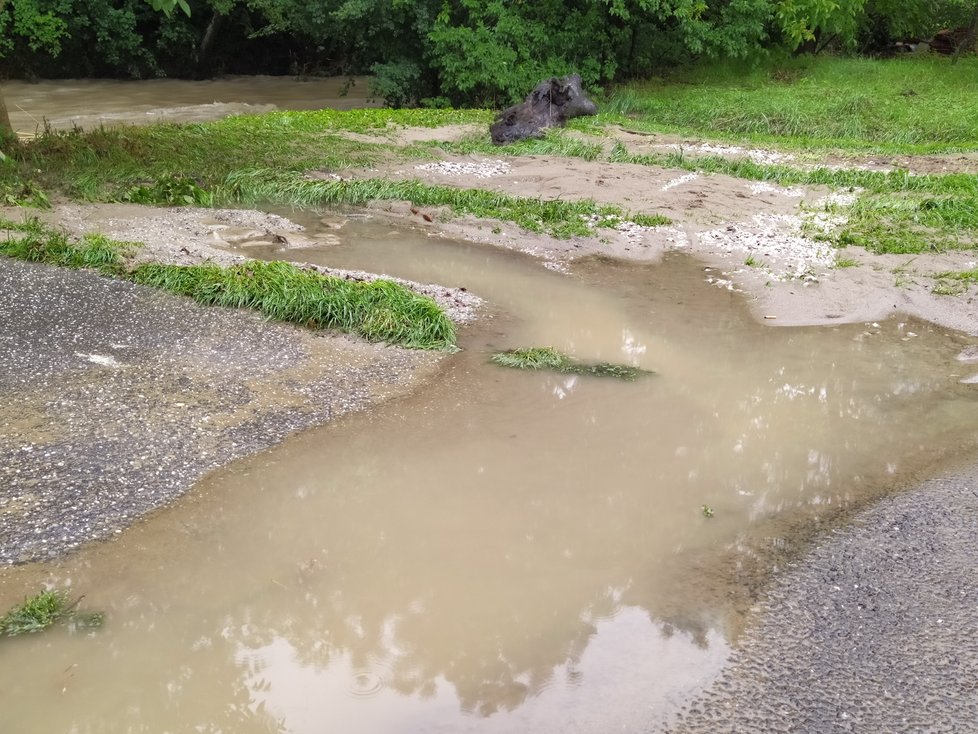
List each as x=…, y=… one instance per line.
x=785, y=175
x=378, y=311
x=912, y=105
x=954, y=283
x=548, y=358
x=911, y=223
x=37, y=243
x=45, y=609
x=555, y=142
x=555, y=217
x=154, y=163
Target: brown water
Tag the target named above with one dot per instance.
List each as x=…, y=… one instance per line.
x=502, y=551
x=87, y=103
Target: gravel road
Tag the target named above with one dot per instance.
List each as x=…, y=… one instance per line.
x=875, y=631
x=115, y=399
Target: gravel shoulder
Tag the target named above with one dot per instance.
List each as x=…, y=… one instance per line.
x=875, y=630
x=115, y=399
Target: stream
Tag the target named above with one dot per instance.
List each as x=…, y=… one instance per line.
x=501, y=551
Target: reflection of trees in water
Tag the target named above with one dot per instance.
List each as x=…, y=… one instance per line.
x=495, y=591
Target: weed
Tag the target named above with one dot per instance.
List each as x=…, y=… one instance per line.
x=845, y=262
x=170, y=190
x=960, y=279
x=548, y=358
x=44, y=609
x=38, y=243
x=707, y=511
x=949, y=288
x=753, y=262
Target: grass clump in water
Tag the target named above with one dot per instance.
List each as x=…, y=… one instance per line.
x=548, y=358
x=43, y=610
x=380, y=310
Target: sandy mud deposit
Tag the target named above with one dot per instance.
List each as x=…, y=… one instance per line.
x=755, y=237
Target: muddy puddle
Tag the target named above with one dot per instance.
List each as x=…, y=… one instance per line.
x=501, y=551
x=87, y=103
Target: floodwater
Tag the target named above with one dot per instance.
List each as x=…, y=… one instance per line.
x=501, y=551
x=87, y=103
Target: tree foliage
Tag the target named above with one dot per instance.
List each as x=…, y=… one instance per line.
x=440, y=52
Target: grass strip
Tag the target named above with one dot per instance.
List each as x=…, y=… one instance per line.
x=555, y=217
x=43, y=610
x=548, y=358
x=380, y=310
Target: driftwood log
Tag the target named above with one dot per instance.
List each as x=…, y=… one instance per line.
x=550, y=104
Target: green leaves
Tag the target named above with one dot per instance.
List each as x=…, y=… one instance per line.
x=168, y=6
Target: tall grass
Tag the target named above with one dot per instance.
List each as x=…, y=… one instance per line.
x=377, y=311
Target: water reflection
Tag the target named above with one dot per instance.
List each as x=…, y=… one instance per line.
x=505, y=551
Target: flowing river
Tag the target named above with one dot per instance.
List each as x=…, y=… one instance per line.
x=88, y=103
x=501, y=551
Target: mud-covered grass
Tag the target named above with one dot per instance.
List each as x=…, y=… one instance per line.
x=548, y=358
x=556, y=217
x=954, y=282
x=380, y=310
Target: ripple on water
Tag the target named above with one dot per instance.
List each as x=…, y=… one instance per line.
x=364, y=683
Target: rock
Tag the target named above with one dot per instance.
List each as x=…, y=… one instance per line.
x=550, y=104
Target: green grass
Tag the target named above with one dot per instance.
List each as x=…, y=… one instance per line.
x=912, y=105
x=111, y=164
x=378, y=311
x=548, y=358
x=556, y=217
x=36, y=613
x=43, y=610
x=34, y=242
x=912, y=223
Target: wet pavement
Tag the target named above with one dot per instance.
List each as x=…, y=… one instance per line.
x=115, y=399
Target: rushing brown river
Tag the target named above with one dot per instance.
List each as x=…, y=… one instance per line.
x=502, y=551
x=88, y=103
